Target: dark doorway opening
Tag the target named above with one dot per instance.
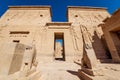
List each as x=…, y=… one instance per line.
x=59, y=52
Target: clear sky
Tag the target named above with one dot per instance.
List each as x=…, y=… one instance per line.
x=59, y=6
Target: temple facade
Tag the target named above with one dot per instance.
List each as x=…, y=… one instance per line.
x=28, y=38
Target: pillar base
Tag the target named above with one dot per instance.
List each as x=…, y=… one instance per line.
x=85, y=76
x=89, y=74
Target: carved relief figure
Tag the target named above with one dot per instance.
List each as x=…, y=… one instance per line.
x=77, y=37
x=77, y=41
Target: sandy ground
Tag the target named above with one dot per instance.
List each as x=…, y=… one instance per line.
x=62, y=70
x=59, y=70
x=111, y=71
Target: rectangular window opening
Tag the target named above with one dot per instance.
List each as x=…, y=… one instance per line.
x=19, y=32
x=16, y=41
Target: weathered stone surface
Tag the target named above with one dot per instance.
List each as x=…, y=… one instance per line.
x=28, y=46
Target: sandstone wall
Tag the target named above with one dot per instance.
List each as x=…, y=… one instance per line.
x=11, y=58
x=26, y=16
x=90, y=18
x=33, y=26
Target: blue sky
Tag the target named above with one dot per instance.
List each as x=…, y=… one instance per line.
x=59, y=6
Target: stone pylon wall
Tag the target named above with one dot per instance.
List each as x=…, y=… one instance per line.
x=89, y=19
x=33, y=26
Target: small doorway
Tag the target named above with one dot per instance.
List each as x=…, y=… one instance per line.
x=59, y=53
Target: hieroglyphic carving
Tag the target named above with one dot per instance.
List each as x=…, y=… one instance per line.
x=13, y=16
x=97, y=18
x=100, y=16
x=76, y=34
x=89, y=18
x=77, y=41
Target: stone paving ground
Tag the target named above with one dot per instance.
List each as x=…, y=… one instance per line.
x=111, y=71
x=59, y=70
x=62, y=70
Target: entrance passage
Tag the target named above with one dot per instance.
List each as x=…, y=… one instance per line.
x=59, y=46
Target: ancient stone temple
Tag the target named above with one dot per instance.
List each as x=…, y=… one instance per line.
x=32, y=47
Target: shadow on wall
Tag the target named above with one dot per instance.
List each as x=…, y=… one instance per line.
x=17, y=58
x=100, y=47
x=106, y=47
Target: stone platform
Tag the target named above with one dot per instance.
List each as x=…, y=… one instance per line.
x=110, y=71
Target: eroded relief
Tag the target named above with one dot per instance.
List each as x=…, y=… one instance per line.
x=76, y=33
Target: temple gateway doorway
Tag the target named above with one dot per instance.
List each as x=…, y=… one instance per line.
x=59, y=53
